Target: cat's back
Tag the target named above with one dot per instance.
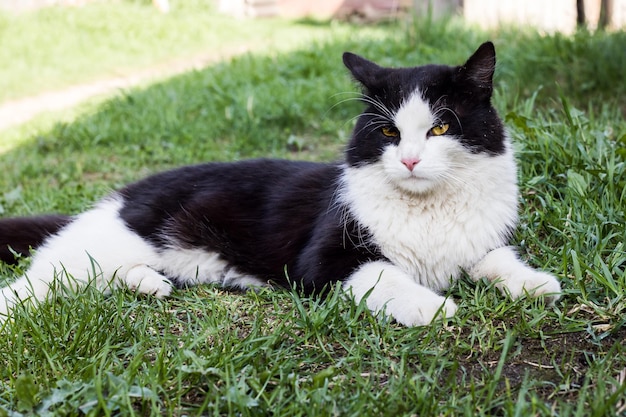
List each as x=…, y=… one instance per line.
x=243, y=197
x=247, y=176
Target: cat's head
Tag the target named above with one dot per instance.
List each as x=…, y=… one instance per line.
x=422, y=125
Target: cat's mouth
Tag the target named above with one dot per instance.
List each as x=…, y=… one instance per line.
x=415, y=183
x=417, y=176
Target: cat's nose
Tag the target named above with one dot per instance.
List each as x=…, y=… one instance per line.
x=410, y=163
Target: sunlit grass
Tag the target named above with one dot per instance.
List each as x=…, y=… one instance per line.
x=54, y=47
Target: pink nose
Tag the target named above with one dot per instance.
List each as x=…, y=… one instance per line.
x=410, y=163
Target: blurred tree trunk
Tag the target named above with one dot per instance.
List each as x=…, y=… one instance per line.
x=606, y=13
x=581, y=20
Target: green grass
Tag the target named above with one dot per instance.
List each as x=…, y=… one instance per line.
x=209, y=352
x=113, y=39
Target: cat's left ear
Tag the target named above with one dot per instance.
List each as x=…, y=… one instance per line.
x=480, y=67
x=364, y=71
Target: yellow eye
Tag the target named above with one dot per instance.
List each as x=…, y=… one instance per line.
x=440, y=129
x=390, y=131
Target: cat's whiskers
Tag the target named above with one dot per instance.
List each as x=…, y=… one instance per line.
x=382, y=118
x=365, y=99
x=357, y=97
x=346, y=218
x=440, y=102
x=439, y=106
x=441, y=109
x=374, y=123
x=378, y=105
x=457, y=181
x=373, y=115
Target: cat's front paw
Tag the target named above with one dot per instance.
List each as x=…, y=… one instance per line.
x=513, y=277
x=146, y=280
x=535, y=284
x=421, y=311
x=390, y=291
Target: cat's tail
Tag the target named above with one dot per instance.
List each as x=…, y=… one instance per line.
x=19, y=234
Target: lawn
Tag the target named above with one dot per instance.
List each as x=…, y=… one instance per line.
x=210, y=352
x=112, y=39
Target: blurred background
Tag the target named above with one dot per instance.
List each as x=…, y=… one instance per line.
x=549, y=15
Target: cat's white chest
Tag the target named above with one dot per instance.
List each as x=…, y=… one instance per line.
x=431, y=242
x=432, y=236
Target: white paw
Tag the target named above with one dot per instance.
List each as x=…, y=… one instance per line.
x=420, y=311
x=514, y=277
x=388, y=289
x=533, y=283
x=146, y=280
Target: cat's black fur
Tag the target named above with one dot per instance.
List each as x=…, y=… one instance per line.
x=19, y=234
x=275, y=219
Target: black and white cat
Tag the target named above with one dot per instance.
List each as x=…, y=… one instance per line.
x=427, y=190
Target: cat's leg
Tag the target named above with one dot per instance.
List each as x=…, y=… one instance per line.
x=19, y=291
x=397, y=294
x=145, y=280
x=189, y=267
x=52, y=268
x=512, y=276
x=237, y=280
x=96, y=248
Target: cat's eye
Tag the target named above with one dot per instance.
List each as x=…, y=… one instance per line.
x=390, y=131
x=439, y=129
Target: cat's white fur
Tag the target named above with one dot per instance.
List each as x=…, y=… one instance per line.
x=98, y=248
x=446, y=215
x=449, y=213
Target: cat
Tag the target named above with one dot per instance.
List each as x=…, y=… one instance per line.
x=427, y=191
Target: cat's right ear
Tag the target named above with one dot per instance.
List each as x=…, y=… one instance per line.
x=364, y=71
x=480, y=67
